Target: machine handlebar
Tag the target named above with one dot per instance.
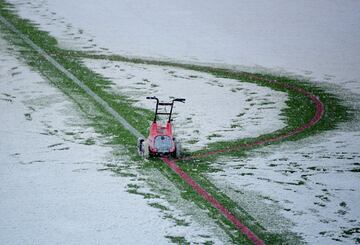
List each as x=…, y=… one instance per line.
x=151, y=98
x=158, y=103
x=154, y=98
x=180, y=100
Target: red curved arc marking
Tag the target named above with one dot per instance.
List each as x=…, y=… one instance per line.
x=317, y=117
x=212, y=200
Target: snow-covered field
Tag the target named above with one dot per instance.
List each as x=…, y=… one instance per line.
x=312, y=183
x=54, y=189
x=316, y=39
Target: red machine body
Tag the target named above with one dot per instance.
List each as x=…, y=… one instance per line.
x=161, y=140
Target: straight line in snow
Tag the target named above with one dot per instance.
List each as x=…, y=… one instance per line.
x=69, y=75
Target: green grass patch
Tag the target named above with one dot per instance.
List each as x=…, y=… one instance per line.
x=178, y=240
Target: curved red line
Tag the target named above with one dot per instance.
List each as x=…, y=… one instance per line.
x=317, y=117
x=212, y=200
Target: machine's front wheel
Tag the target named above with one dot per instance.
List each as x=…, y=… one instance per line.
x=139, y=146
x=145, y=149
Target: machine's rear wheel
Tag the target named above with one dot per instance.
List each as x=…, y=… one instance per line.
x=177, y=149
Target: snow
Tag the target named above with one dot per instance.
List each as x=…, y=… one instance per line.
x=210, y=113
x=55, y=186
x=307, y=185
x=316, y=39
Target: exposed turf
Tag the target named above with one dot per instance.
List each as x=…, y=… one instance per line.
x=300, y=110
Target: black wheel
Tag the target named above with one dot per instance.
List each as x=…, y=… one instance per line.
x=140, y=146
x=177, y=149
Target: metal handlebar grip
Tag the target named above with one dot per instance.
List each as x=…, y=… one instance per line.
x=180, y=100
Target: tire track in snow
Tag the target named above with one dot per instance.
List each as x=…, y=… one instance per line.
x=172, y=163
x=69, y=75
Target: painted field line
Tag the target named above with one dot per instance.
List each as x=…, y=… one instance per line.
x=320, y=110
x=212, y=200
x=245, y=230
x=319, y=113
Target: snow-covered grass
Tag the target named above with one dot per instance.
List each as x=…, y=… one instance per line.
x=216, y=109
x=54, y=184
x=313, y=182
